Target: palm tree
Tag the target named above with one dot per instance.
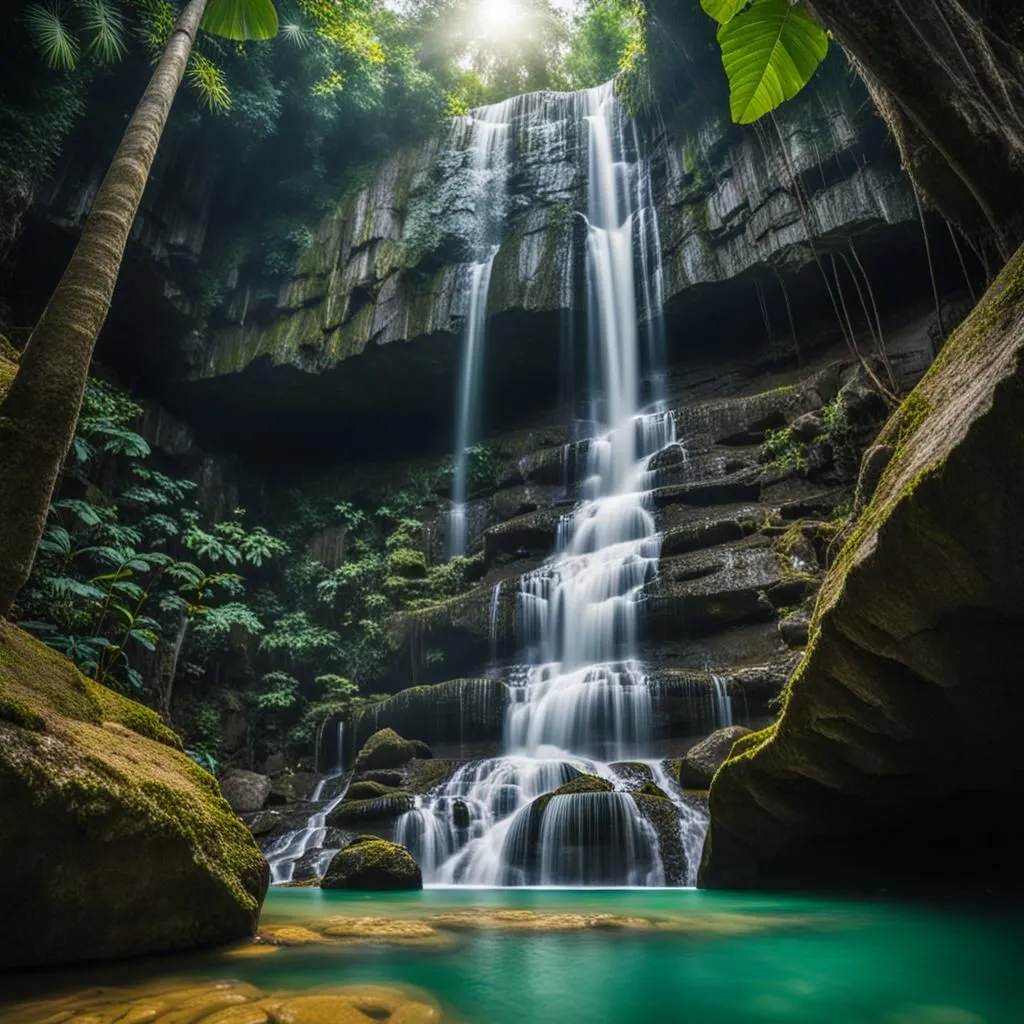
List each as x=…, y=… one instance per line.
x=38, y=416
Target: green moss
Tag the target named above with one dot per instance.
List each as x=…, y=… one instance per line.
x=87, y=767
x=584, y=784
x=20, y=714
x=7, y=372
x=369, y=790
x=145, y=721
x=369, y=862
x=408, y=563
x=652, y=789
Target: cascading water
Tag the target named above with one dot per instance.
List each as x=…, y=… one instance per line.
x=581, y=701
x=489, y=162
x=308, y=842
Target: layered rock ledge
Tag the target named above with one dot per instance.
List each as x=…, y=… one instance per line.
x=898, y=756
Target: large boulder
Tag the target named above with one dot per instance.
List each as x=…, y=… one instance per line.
x=698, y=767
x=372, y=863
x=897, y=759
x=385, y=749
x=113, y=842
x=247, y=792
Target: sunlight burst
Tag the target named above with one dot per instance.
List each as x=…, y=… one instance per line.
x=495, y=18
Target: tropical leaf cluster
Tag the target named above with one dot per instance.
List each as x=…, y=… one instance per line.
x=770, y=51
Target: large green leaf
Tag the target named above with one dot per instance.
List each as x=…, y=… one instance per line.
x=723, y=11
x=241, y=19
x=770, y=53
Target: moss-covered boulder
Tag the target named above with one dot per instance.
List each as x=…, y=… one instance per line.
x=372, y=863
x=385, y=749
x=371, y=813
x=584, y=784
x=112, y=841
x=368, y=790
x=698, y=767
x=897, y=759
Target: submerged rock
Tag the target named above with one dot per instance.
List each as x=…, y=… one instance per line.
x=247, y=792
x=698, y=767
x=106, y=825
x=372, y=863
x=231, y=1002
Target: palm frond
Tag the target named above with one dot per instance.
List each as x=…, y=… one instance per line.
x=208, y=80
x=48, y=26
x=102, y=20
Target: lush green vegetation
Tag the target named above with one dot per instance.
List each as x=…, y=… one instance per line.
x=209, y=620
x=770, y=51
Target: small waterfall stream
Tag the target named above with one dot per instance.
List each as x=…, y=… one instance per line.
x=284, y=855
x=581, y=701
x=489, y=165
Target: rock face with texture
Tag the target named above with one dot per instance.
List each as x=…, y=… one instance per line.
x=113, y=843
x=247, y=792
x=702, y=760
x=898, y=757
x=372, y=863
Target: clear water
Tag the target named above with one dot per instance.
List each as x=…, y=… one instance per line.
x=826, y=962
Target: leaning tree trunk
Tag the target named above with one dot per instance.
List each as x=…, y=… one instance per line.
x=38, y=416
x=952, y=92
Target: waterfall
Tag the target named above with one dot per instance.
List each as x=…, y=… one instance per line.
x=292, y=847
x=489, y=162
x=723, y=702
x=289, y=849
x=581, y=699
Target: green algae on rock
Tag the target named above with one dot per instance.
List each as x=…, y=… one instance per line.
x=372, y=863
x=142, y=854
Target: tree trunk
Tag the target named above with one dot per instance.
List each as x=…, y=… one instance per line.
x=38, y=416
x=169, y=671
x=952, y=92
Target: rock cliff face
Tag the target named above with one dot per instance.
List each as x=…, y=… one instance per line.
x=761, y=233
x=387, y=276
x=897, y=758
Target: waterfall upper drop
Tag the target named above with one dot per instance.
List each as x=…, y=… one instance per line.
x=488, y=147
x=580, y=701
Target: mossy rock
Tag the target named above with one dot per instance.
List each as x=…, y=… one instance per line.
x=423, y=775
x=372, y=863
x=584, y=784
x=581, y=784
x=702, y=760
x=369, y=790
x=652, y=789
x=105, y=821
x=897, y=759
x=7, y=371
x=664, y=819
x=390, y=777
x=380, y=809
x=385, y=749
